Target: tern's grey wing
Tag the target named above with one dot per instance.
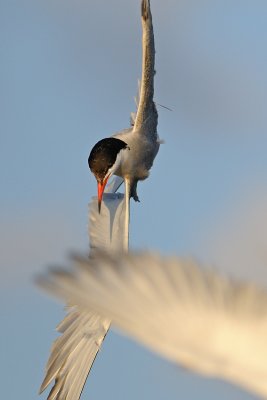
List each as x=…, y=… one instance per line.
x=146, y=118
x=192, y=316
x=82, y=332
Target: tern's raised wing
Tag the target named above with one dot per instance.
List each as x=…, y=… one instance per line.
x=82, y=333
x=146, y=118
x=192, y=316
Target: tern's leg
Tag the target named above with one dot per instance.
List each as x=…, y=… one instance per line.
x=133, y=192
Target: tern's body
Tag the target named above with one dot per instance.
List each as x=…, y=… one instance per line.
x=137, y=159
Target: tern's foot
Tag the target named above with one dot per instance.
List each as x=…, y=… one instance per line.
x=134, y=193
x=136, y=198
x=134, y=190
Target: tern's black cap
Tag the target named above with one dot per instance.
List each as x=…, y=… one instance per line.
x=103, y=155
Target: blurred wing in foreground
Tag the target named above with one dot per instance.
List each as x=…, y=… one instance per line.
x=82, y=332
x=189, y=315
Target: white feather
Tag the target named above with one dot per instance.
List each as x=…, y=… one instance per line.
x=73, y=353
x=190, y=315
x=82, y=333
x=107, y=229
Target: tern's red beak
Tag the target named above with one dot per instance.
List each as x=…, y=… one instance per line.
x=100, y=191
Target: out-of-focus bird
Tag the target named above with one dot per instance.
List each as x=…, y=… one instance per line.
x=129, y=155
x=190, y=315
x=131, y=152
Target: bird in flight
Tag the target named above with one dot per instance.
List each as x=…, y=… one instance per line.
x=128, y=155
x=190, y=315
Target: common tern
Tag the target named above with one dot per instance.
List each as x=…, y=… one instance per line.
x=129, y=156
x=130, y=153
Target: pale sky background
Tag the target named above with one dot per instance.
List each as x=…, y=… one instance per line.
x=68, y=76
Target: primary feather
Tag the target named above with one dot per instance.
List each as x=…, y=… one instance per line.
x=192, y=316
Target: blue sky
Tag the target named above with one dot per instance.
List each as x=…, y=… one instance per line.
x=68, y=76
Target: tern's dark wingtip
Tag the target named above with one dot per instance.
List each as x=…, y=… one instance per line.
x=145, y=8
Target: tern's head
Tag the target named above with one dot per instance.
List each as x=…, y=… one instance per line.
x=104, y=160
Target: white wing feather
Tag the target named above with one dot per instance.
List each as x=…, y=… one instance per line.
x=82, y=333
x=192, y=316
x=107, y=230
x=73, y=353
